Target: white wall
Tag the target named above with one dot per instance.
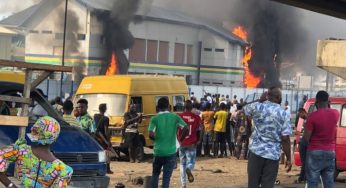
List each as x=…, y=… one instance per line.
x=39, y=43
x=228, y=58
x=5, y=46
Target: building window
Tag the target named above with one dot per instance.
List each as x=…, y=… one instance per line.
x=47, y=32
x=81, y=36
x=219, y=50
x=179, y=53
x=157, y=98
x=163, y=51
x=137, y=52
x=208, y=49
x=152, y=51
x=178, y=103
x=102, y=39
x=189, y=55
x=59, y=36
x=33, y=31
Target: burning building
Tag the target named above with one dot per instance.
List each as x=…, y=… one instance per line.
x=159, y=41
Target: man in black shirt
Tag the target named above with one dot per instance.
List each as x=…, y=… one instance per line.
x=102, y=123
x=131, y=134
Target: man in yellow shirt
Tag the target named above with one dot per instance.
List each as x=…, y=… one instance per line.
x=220, y=130
x=208, y=123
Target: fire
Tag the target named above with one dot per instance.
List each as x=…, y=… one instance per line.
x=112, y=69
x=240, y=32
x=250, y=80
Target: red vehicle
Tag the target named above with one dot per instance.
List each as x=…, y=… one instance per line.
x=340, y=150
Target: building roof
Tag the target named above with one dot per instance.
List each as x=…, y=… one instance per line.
x=18, y=19
x=6, y=31
x=170, y=16
x=155, y=14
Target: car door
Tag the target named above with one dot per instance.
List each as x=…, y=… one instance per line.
x=340, y=149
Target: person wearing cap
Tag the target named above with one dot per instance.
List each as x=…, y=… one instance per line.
x=36, y=166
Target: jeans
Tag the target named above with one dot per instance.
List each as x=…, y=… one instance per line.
x=187, y=157
x=302, y=153
x=261, y=172
x=320, y=163
x=168, y=163
x=208, y=138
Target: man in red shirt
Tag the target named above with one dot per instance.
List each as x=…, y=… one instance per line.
x=187, y=150
x=320, y=134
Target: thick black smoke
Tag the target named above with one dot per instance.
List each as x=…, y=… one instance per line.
x=72, y=28
x=71, y=43
x=116, y=31
x=273, y=29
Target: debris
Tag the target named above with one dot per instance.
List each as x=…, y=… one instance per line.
x=217, y=171
x=120, y=185
x=138, y=181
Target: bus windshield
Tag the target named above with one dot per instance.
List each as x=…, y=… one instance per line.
x=115, y=103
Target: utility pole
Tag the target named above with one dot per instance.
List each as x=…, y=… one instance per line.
x=327, y=81
x=63, y=49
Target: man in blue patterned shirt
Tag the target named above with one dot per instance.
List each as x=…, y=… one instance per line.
x=272, y=129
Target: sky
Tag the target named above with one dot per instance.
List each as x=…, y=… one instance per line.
x=318, y=26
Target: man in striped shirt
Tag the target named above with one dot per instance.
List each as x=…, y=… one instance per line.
x=70, y=119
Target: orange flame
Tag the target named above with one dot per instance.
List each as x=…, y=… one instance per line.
x=250, y=80
x=112, y=69
x=240, y=32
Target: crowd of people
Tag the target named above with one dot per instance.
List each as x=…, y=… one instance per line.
x=215, y=127
x=226, y=127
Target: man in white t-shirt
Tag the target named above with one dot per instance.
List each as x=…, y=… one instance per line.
x=287, y=107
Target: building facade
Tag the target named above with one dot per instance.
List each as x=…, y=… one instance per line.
x=166, y=42
x=201, y=53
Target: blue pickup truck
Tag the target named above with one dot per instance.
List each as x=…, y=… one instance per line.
x=75, y=147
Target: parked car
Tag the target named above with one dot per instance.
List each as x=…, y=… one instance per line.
x=74, y=146
x=340, y=150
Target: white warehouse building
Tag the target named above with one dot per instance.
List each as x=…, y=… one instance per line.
x=166, y=42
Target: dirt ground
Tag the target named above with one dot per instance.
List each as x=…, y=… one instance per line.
x=233, y=174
